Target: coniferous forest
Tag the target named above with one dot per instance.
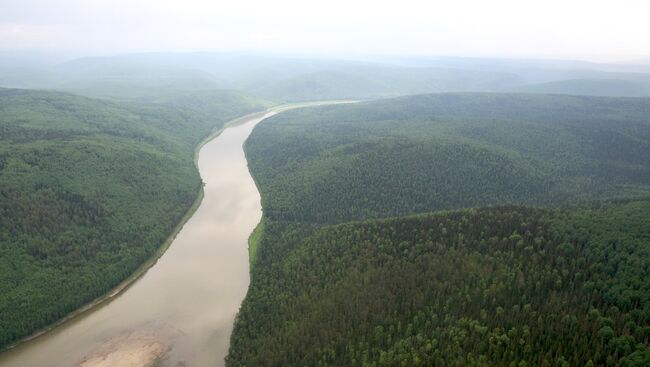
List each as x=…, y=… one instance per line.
x=192, y=183
x=89, y=191
x=451, y=230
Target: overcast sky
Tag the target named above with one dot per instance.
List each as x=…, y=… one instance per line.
x=604, y=30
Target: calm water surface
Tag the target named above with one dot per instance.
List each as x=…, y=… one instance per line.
x=186, y=303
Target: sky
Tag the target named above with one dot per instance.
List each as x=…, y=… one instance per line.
x=598, y=30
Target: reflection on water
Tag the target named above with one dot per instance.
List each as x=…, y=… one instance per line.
x=184, y=306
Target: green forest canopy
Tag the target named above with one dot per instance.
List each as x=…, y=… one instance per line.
x=444, y=151
x=564, y=282
x=89, y=190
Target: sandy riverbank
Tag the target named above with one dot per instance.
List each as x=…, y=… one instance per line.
x=139, y=348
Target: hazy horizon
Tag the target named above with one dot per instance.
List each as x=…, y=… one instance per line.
x=601, y=31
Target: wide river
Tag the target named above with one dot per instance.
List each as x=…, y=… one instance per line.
x=184, y=306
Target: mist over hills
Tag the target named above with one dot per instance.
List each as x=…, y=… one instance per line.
x=288, y=79
x=591, y=87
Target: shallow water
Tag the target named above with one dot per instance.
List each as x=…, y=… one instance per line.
x=186, y=302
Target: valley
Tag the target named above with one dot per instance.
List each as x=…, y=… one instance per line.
x=461, y=212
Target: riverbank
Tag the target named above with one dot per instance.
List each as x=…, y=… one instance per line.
x=138, y=348
x=164, y=309
x=256, y=235
x=125, y=284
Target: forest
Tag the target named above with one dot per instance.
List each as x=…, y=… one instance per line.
x=451, y=230
x=196, y=183
x=90, y=190
x=445, y=151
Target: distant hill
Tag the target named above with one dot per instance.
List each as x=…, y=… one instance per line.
x=592, y=87
x=503, y=64
x=444, y=151
x=383, y=81
x=280, y=78
x=137, y=83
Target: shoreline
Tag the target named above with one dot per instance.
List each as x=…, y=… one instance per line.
x=142, y=269
x=255, y=236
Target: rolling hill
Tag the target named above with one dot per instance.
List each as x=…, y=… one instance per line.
x=445, y=151
x=364, y=256
x=89, y=191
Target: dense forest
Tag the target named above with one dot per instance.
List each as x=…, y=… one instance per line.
x=444, y=151
x=548, y=265
x=89, y=191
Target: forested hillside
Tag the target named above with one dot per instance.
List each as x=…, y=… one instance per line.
x=89, y=190
x=444, y=151
x=504, y=286
x=564, y=282
x=376, y=81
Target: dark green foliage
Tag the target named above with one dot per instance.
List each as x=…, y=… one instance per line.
x=433, y=152
x=504, y=285
x=487, y=287
x=89, y=190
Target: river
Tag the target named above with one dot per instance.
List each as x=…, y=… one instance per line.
x=184, y=306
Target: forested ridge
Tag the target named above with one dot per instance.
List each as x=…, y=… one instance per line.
x=436, y=152
x=548, y=266
x=89, y=190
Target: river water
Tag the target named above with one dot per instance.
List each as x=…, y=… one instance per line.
x=184, y=306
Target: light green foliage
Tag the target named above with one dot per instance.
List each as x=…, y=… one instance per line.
x=254, y=242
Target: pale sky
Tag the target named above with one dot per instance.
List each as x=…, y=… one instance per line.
x=602, y=30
